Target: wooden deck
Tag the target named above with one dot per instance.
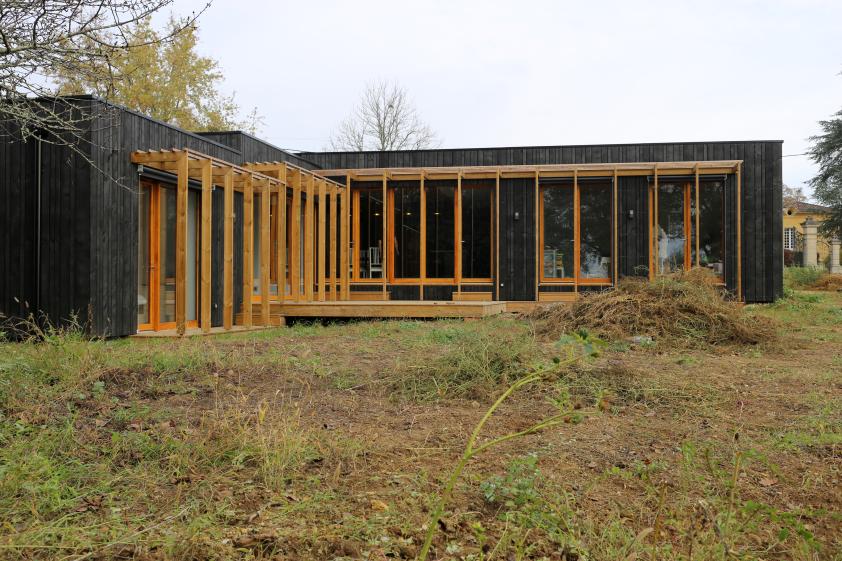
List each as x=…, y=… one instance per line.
x=388, y=309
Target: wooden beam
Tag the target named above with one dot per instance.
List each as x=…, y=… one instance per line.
x=458, y=235
x=265, y=251
x=424, y=237
x=248, y=251
x=497, y=236
x=343, y=245
x=698, y=212
x=181, y=245
x=228, y=253
x=207, y=209
x=615, y=258
x=384, y=260
x=334, y=281
x=309, y=235
x=282, y=235
x=739, y=234
x=295, y=238
x=320, y=263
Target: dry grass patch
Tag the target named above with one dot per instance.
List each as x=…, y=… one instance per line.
x=687, y=309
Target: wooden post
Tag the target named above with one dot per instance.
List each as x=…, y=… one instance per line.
x=497, y=235
x=539, y=254
x=295, y=238
x=615, y=258
x=265, y=251
x=248, y=249
x=228, y=252
x=207, y=209
x=343, y=242
x=654, y=234
x=309, y=238
x=423, y=238
x=320, y=263
x=457, y=247
x=384, y=260
x=282, y=234
x=334, y=193
x=739, y=229
x=698, y=212
x=182, y=167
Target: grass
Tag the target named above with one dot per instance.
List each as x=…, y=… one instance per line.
x=331, y=441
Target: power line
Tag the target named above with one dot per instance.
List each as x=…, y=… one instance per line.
x=792, y=155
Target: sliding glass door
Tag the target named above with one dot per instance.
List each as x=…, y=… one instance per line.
x=157, y=257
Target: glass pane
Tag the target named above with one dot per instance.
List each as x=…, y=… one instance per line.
x=711, y=220
x=192, y=281
x=595, y=230
x=371, y=234
x=440, y=231
x=671, y=236
x=407, y=220
x=166, y=286
x=558, y=232
x=143, y=311
x=476, y=233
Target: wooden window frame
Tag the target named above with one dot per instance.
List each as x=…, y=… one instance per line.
x=576, y=279
x=154, y=241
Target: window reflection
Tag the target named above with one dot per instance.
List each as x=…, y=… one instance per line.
x=595, y=230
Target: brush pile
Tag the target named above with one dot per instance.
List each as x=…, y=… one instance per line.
x=687, y=309
x=828, y=282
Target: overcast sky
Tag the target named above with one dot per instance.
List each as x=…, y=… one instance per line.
x=489, y=73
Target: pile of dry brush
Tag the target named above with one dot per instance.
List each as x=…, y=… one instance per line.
x=687, y=309
x=832, y=283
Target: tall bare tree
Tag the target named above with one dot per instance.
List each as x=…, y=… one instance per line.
x=40, y=39
x=384, y=119
x=793, y=195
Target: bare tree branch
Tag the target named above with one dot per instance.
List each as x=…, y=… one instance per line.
x=385, y=119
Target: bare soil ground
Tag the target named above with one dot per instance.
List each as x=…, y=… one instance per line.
x=332, y=442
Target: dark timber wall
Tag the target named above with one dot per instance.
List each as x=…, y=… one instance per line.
x=762, y=235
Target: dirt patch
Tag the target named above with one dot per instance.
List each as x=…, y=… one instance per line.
x=832, y=283
x=687, y=309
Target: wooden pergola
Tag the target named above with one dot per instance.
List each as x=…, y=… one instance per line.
x=278, y=179
x=655, y=170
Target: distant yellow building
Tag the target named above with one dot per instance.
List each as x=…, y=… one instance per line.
x=794, y=217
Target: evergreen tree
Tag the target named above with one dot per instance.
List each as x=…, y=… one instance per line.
x=827, y=184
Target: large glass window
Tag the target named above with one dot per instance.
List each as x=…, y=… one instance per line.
x=166, y=279
x=557, y=213
x=595, y=230
x=440, y=203
x=672, y=234
x=144, y=295
x=406, y=232
x=711, y=221
x=477, y=225
x=368, y=251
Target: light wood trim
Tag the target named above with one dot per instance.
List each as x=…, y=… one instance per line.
x=228, y=250
x=265, y=252
x=739, y=217
x=181, y=245
x=248, y=251
x=207, y=209
x=497, y=235
x=539, y=253
x=387, y=241
x=457, y=235
x=344, y=247
x=309, y=234
x=322, y=250
x=295, y=238
x=556, y=296
x=333, y=279
x=423, y=238
x=698, y=213
x=615, y=257
x=576, y=234
x=282, y=235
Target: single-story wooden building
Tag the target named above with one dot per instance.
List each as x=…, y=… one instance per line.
x=139, y=226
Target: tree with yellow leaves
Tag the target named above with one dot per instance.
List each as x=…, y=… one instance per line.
x=163, y=76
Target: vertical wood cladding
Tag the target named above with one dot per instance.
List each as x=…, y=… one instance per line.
x=762, y=235
x=517, y=239
x=633, y=222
